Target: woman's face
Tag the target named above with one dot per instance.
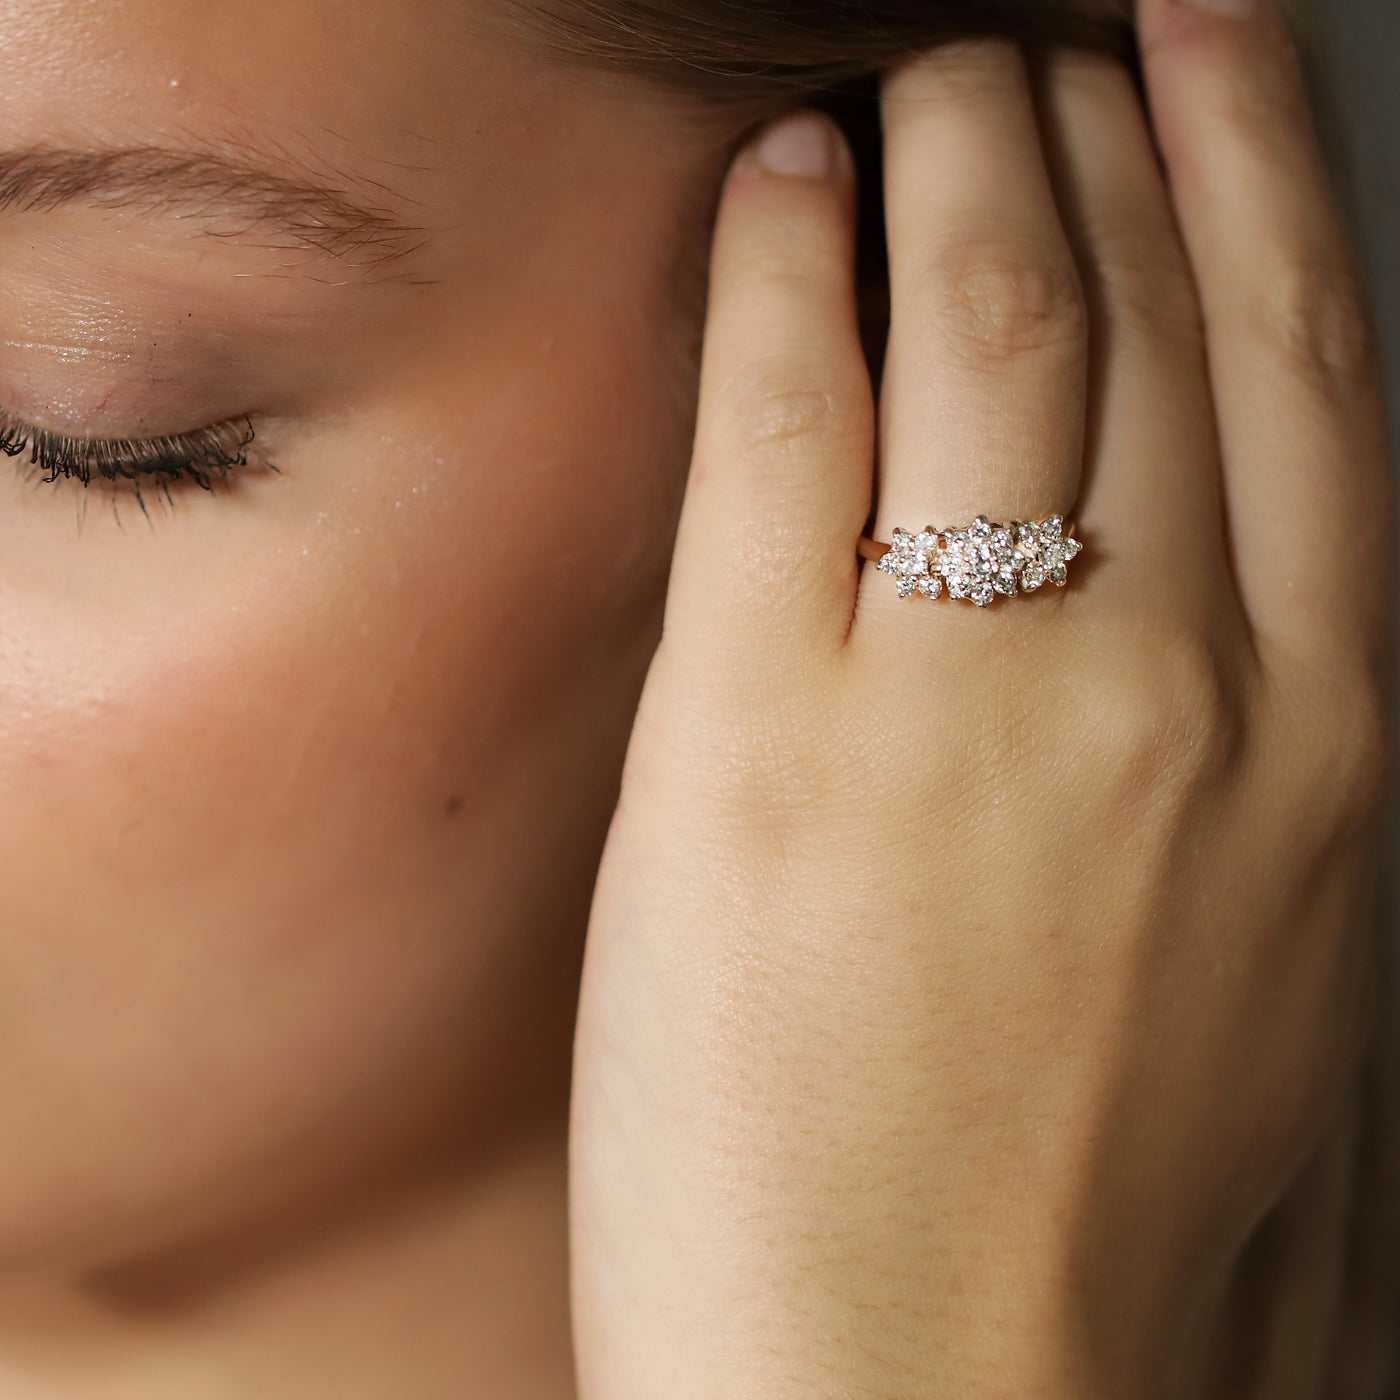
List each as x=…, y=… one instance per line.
x=302, y=780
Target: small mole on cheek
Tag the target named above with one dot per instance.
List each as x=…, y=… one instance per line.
x=453, y=805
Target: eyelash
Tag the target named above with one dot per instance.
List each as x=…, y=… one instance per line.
x=204, y=456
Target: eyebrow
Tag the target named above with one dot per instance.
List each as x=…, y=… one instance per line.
x=303, y=212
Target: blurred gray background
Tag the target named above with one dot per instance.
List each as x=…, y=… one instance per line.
x=1353, y=47
x=1353, y=53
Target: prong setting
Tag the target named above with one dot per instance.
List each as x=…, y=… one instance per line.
x=981, y=561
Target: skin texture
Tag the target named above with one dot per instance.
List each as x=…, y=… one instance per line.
x=305, y=782
x=1030, y=999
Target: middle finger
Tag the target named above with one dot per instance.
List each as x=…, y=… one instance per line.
x=983, y=400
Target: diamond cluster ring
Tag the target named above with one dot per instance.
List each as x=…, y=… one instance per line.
x=976, y=561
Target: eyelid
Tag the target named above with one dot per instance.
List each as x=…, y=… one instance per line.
x=202, y=456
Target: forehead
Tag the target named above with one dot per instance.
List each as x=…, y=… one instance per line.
x=391, y=92
x=349, y=57
x=432, y=112
x=341, y=64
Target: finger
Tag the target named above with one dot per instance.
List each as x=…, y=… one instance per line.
x=983, y=398
x=1152, y=482
x=1292, y=355
x=780, y=481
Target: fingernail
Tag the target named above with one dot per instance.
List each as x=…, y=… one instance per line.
x=797, y=145
x=1233, y=9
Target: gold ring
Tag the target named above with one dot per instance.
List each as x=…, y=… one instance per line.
x=976, y=561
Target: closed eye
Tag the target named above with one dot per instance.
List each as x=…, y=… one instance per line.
x=204, y=456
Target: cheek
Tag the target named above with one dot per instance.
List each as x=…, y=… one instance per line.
x=211, y=931
x=272, y=774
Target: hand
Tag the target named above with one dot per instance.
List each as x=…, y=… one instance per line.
x=964, y=986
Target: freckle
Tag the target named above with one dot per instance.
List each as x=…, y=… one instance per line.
x=453, y=805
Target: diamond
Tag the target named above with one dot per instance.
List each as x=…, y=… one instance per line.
x=980, y=561
x=1044, y=551
x=904, y=557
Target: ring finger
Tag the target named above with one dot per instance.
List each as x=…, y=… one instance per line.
x=983, y=399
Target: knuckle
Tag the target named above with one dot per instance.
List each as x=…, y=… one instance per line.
x=777, y=410
x=1347, y=746
x=967, y=75
x=1170, y=718
x=993, y=302
x=1319, y=317
x=1366, y=761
